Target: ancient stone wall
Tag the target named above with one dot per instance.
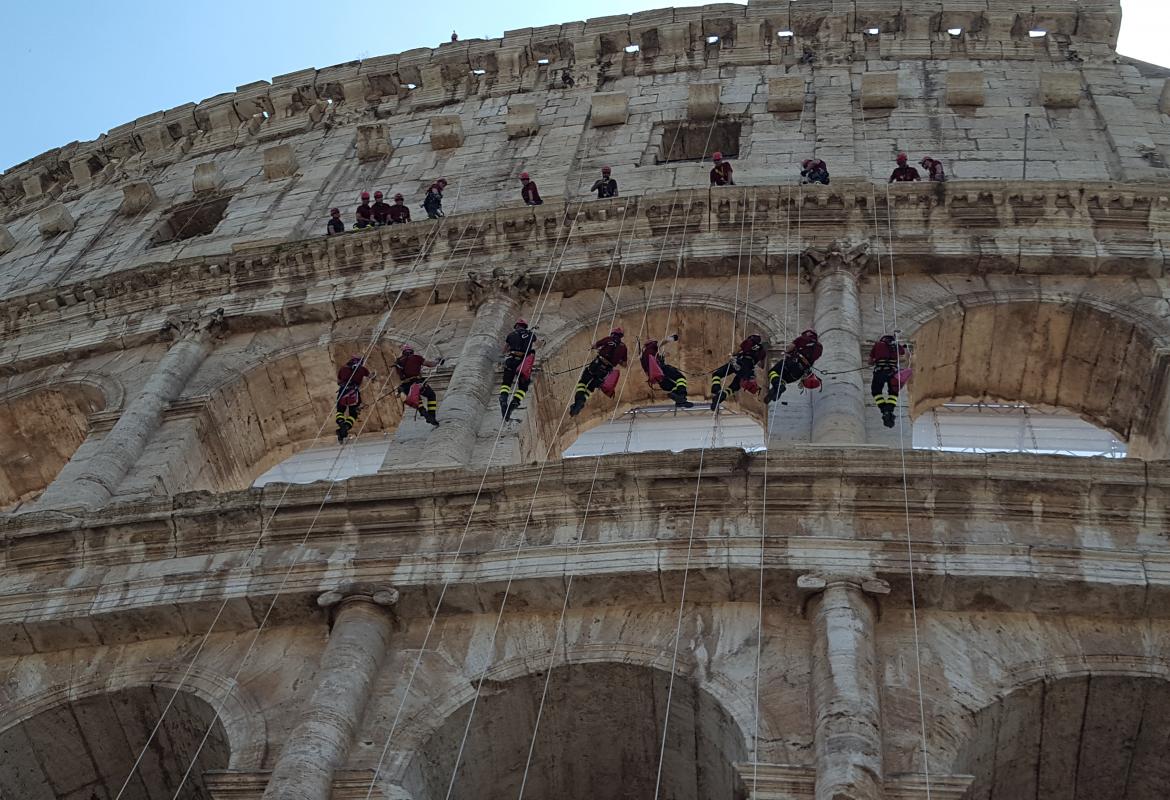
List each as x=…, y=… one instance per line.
x=837, y=617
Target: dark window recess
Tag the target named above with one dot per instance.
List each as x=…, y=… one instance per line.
x=695, y=141
x=190, y=219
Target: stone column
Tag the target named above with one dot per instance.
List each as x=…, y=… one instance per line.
x=839, y=407
x=474, y=382
x=846, y=702
x=320, y=743
x=91, y=482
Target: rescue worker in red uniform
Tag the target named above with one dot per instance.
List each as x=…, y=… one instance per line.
x=529, y=192
x=409, y=366
x=335, y=223
x=349, y=395
x=365, y=215
x=673, y=381
x=518, y=347
x=813, y=170
x=721, y=172
x=398, y=212
x=611, y=353
x=730, y=378
x=934, y=169
x=904, y=173
x=380, y=210
x=605, y=186
x=886, y=357
x=797, y=362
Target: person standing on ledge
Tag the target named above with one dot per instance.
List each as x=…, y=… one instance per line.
x=528, y=191
x=721, y=172
x=335, y=223
x=605, y=186
x=813, y=170
x=380, y=210
x=904, y=173
x=934, y=169
x=364, y=214
x=398, y=212
x=433, y=202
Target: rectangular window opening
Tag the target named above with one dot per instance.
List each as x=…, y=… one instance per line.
x=195, y=218
x=695, y=141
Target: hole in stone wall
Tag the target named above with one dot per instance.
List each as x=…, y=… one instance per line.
x=479, y=72
x=872, y=31
x=195, y=218
x=712, y=40
x=785, y=34
x=1037, y=33
x=633, y=48
x=542, y=61
x=955, y=31
x=695, y=141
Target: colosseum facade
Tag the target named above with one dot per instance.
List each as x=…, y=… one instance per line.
x=832, y=614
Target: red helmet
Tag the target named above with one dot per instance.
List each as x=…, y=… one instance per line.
x=521, y=323
x=901, y=157
x=810, y=333
x=523, y=176
x=717, y=156
x=334, y=211
x=365, y=195
x=605, y=170
x=407, y=350
x=617, y=332
x=399, y=196
x=377, y=195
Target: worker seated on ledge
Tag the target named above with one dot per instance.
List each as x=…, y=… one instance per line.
x=398, y=212
x=528, y=191
x=364, y=214
x=721, y=172
x=335, y=223
x=813, y=170
x=904, y=173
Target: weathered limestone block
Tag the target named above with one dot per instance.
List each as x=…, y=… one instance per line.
x=373, y=142
x=522, y=120
x=34, y=186
x=54, y=219
x=82, y=168
x=280, y=162
x=207, y=178
x=609, y=108
x=319, y=744
x=786, y=93
x=1060, y=89
x=703, y=101
x=1164, y=99
x=674, y=39
x=7, y=241
x=446, y=131
x=137, y=196
x=965, y=88
x=879, y=90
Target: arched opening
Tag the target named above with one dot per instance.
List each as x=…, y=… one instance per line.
x=705, y=343
x=599, y=739
x=39, y=432
x=1087, y=737
x=990, y=427
x=86, y=748
x=1075, y=357
x=277, y=409
x=663, y=427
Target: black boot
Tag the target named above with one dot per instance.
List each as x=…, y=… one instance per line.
x=431, y=419
x=680, y=400
x=342, y=432
x=515, y=404
x=578, y=404
x=888, y=417
x=504, y=405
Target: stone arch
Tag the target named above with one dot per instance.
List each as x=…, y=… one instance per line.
x=594, y=696
x=1078, y=728
x=1079, y=354
x=704, y=323
x=85, y=736
x=43, y=423
x=253, y=418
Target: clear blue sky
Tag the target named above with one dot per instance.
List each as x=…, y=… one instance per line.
x=77, y=69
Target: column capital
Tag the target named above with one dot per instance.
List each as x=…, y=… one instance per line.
x=811, y=585
x=851, y=258
x=482, y=286
x=193, y=326
x=378, y=594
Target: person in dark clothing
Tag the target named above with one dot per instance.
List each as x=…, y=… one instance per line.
x=611, y=354
x=673, y=381
x=721, y=172
x=738, y=371
x=605, y=186
x=364, y=214
x=335, y=223
x=528, y=191
x=349, y=395
x=409, y=366
x=813, y=170
x=796, y=363
x=380, y=210
x=567, y=79
x=433, y=202
x=885, y=357
x=934, y=169
x=398, y=212
x=904, y=173
x=519, y=358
